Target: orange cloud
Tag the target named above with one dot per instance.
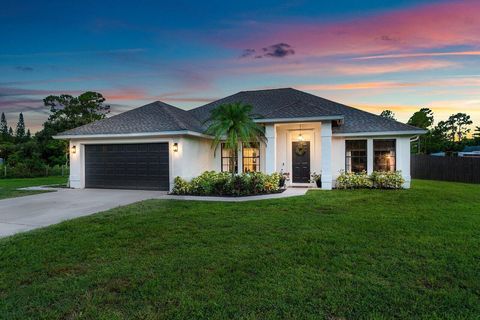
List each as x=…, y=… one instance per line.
x=441, y=109
x=356, y=86
x=447, y=82
x=125, y=94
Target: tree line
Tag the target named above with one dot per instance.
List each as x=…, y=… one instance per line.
x=31, y=153
x=451, y=135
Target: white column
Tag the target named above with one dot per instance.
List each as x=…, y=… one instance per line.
x=76, y=163
x=403, y=159
x=271, y=149
x=369, y=156
x=326, y=135
x=240, y=158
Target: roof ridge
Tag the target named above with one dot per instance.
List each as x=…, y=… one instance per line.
x=178, y=121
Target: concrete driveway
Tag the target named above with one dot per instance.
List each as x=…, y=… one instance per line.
x=36, y=211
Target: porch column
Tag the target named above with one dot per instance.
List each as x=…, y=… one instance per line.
x=369, y=155
x=326, y=134
x=271, y=149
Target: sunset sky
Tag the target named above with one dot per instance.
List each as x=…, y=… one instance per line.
x=375, y=55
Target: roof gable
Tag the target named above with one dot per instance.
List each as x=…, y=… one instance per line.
x=153, y=117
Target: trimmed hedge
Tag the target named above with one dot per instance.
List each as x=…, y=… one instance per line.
x=378, y=180
x=211, y=183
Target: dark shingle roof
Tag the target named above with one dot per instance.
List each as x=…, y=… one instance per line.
x=288, y=102
x=153, y=117
x=267, y=104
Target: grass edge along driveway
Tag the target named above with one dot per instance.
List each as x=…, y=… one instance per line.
x=8, y=187
x=338, y=255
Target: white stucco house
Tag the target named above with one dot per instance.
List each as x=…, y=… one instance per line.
x=147, y=147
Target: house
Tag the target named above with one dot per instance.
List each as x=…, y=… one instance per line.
x=147, y=147
x=470, y=152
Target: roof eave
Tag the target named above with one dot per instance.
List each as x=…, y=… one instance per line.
x=133, y=135
x=381, y=133
x=299, y=119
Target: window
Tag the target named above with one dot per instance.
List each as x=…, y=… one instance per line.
x=229, y=158
x=384, y=155
x=251, y=157
x=355, y=155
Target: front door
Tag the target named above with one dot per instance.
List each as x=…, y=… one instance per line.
x=301, y=161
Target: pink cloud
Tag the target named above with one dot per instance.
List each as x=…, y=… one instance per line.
x=340, y=68
x=417, y=55
x=432, y=26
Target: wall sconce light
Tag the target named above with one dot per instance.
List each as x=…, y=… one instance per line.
x=175, y=147
x=74, y=149
x=300, y=136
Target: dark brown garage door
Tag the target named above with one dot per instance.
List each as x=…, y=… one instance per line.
x=127, y=166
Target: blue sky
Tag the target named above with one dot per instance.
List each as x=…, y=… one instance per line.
x=400, y=55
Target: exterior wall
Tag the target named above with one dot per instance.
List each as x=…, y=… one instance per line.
x=286, y=134
x=195, y=154
x=402, y=155
x=193, y=157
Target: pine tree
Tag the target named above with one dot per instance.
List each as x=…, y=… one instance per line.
x=3, y=126
x=10, y=132
x=29, y=135
x=20, y=132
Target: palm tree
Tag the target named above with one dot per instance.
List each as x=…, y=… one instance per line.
x=233, y=124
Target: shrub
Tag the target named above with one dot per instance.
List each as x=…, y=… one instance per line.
x=223, y=183
x=180, y=186
x=350, y=180
x=272, y=182
x=379, y=180
x=387, y=180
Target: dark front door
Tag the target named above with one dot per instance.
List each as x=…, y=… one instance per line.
x=301, y=161
x=127, y=166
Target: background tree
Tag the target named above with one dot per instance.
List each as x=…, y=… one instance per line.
x=233, y=124
x=20, y=133
x=3, y=127
x=458, y=125
x=423, y=119
x=476, y=135
x=67, y=112
x=388, y=114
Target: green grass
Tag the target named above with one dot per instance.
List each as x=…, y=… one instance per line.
x=8, y=187
x=337, y=255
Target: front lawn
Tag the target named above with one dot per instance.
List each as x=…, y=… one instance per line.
x=8, y=187
x=336, y=255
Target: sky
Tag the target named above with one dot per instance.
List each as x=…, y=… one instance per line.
x=374, y=55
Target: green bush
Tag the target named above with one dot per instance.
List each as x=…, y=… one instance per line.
x=181, y=186
x=387, y=180
x=350, y=180
x=361, y=180
x=224, y=184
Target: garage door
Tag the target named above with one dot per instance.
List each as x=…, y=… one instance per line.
x=127, y=166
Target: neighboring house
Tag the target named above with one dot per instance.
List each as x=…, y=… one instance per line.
x=147, y=147
x=470, y=151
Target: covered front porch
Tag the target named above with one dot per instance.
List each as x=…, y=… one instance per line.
x=299, y=149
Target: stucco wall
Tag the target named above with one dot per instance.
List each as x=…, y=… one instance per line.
x=195, y=154
x=402, y=155
x=193, y=157
x=288, y=133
